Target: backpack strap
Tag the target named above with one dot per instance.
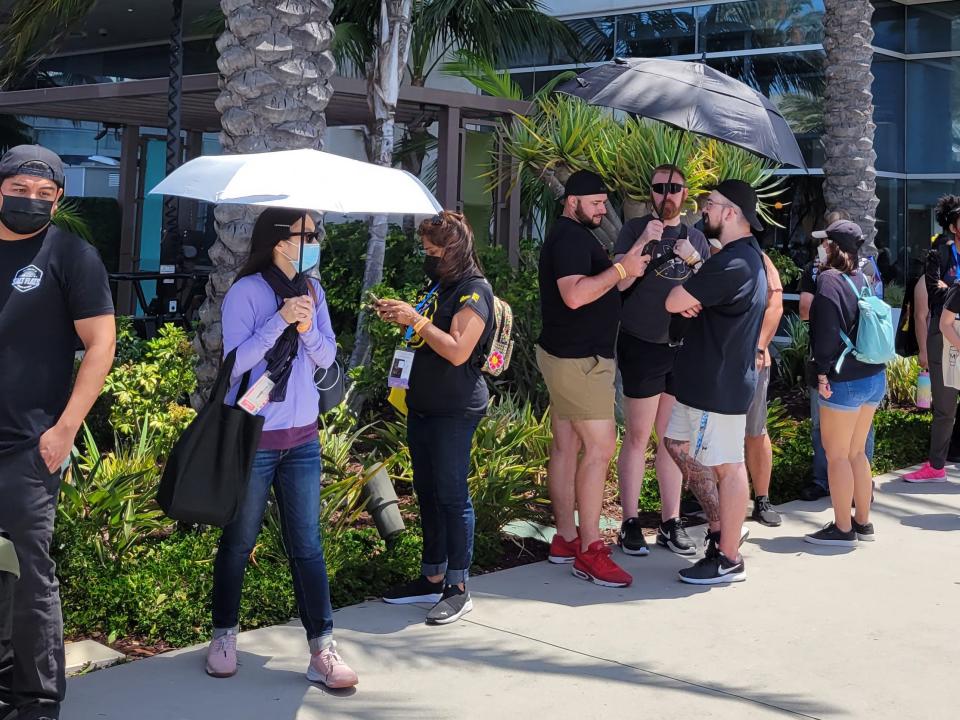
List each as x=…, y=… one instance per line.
x=850, y=345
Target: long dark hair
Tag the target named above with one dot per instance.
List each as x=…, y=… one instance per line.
x=271, y=227
x=841, y=260
x=451, y=231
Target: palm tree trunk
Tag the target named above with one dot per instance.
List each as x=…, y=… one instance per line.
x=850, y=183
x=275, y=66
x=384, y=77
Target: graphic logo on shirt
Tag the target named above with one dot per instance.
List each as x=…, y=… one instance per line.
x=27, y=279
x=475, y=297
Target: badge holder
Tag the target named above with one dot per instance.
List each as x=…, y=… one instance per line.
x=401, y=365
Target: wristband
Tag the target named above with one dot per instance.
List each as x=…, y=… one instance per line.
x=621, y=270
x=419, y=325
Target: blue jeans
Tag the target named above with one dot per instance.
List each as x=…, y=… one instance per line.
x=440, y=451
x=294, y=476
x=819, y=455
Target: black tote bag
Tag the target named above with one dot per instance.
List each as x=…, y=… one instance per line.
x=208, y=470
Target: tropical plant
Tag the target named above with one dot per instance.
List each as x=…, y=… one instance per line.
x=893, y=294
x=789, y=271
x=791, y=360
x=902, y=374
x=113, y=494
x=153, y=388
x=67, y=216
x=803, y=111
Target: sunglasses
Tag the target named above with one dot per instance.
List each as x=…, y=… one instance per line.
x=667, y=188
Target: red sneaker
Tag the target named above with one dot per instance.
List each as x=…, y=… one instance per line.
x=563, y=551
x=594, y=564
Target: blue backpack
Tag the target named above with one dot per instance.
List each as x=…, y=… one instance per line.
x=875, y=335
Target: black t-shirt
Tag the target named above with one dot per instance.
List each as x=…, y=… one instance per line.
x=46, y=283
x=571, y=249
x=644, y=314
x=438, y=387
x=716, y=366
x=835, y=309
x=808, y=278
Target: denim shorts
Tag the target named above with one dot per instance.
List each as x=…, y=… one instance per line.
x=854, y=394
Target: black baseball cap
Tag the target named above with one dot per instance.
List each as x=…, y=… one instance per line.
x=744, y=197
x=584, y=182
x=33, y=160
x=845, y=233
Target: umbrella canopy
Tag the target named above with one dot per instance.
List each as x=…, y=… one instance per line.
x=691, y=96
x=307, y=179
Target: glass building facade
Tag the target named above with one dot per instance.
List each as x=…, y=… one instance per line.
x=776, y=47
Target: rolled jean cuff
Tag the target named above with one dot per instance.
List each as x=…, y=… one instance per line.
x=319, y=644
x=220, y=632
x=433, y=570
x=455, y=577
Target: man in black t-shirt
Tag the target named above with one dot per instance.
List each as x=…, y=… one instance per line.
x=715, y=376
x=53, y=287
x=645, y=357
x=580, y=304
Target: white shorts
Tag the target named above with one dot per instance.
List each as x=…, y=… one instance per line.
x=715, y=439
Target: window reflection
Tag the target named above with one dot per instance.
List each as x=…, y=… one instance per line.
x=889, y=17
x=888, y=112
x=658, y=33
x=933, y=115
x=933, y=27
x=761, y=24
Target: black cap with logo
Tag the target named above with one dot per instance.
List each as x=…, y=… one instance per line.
x=32, y=160
x=845, y=233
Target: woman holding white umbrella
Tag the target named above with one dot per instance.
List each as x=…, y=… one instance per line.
x=277, y=320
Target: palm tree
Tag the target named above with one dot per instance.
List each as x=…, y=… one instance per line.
x=496, y=29
x=850, y=182
x=386, y=69
x=275, y=64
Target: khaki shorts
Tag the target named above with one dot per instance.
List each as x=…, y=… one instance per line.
x=580, y=388
x=714, y=439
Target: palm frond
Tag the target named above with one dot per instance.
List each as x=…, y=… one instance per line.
x=483, y=75
x=68, y=217
x=35, y=29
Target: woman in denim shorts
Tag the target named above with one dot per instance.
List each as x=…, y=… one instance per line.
x=849, y=394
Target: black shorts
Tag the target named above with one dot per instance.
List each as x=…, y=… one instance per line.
x=646, y=369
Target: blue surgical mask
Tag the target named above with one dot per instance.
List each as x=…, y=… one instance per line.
x=311, y=256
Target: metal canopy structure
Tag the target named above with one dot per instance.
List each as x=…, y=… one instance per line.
x=135, y=104
x=143, y=103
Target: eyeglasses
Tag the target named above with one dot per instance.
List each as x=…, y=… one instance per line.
x=667, y=188
x=710, y=203
x=309, y=237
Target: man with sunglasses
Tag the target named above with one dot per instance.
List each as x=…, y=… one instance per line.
x=645, y=356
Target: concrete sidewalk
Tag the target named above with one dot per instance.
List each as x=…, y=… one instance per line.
x=814, y=632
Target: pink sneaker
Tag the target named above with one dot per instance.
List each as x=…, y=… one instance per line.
x=926, y=474
x=222, y=656
x=328, y=667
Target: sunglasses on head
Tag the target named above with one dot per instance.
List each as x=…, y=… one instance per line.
x=667, y=188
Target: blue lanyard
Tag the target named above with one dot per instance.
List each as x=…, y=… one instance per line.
x=701, y=433
x=408, y=335
x=956, y=258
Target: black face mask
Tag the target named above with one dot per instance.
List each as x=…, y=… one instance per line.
x=25, y=216
x=431, y=267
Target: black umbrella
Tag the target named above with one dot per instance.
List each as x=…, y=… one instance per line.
x=691, y=96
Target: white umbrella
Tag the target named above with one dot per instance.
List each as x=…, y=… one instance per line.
x=307, y=179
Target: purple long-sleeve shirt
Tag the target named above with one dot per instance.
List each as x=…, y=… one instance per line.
x=252, y=324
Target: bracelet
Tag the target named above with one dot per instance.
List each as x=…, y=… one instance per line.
x=419, y=325
x=621, y=270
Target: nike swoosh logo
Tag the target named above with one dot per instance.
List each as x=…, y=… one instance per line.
x=727, y=571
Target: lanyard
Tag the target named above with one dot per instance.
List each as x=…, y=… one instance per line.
x=408, y=335
x=956, y=257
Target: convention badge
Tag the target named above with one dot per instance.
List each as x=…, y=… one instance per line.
x=400, y=369
x=256, y=398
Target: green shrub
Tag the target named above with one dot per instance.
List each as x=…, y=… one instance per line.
x=902, y=374
x=791, y=359
x=113, y=496
x=154, y=382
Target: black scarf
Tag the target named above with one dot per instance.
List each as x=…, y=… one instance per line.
x=280, y=357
